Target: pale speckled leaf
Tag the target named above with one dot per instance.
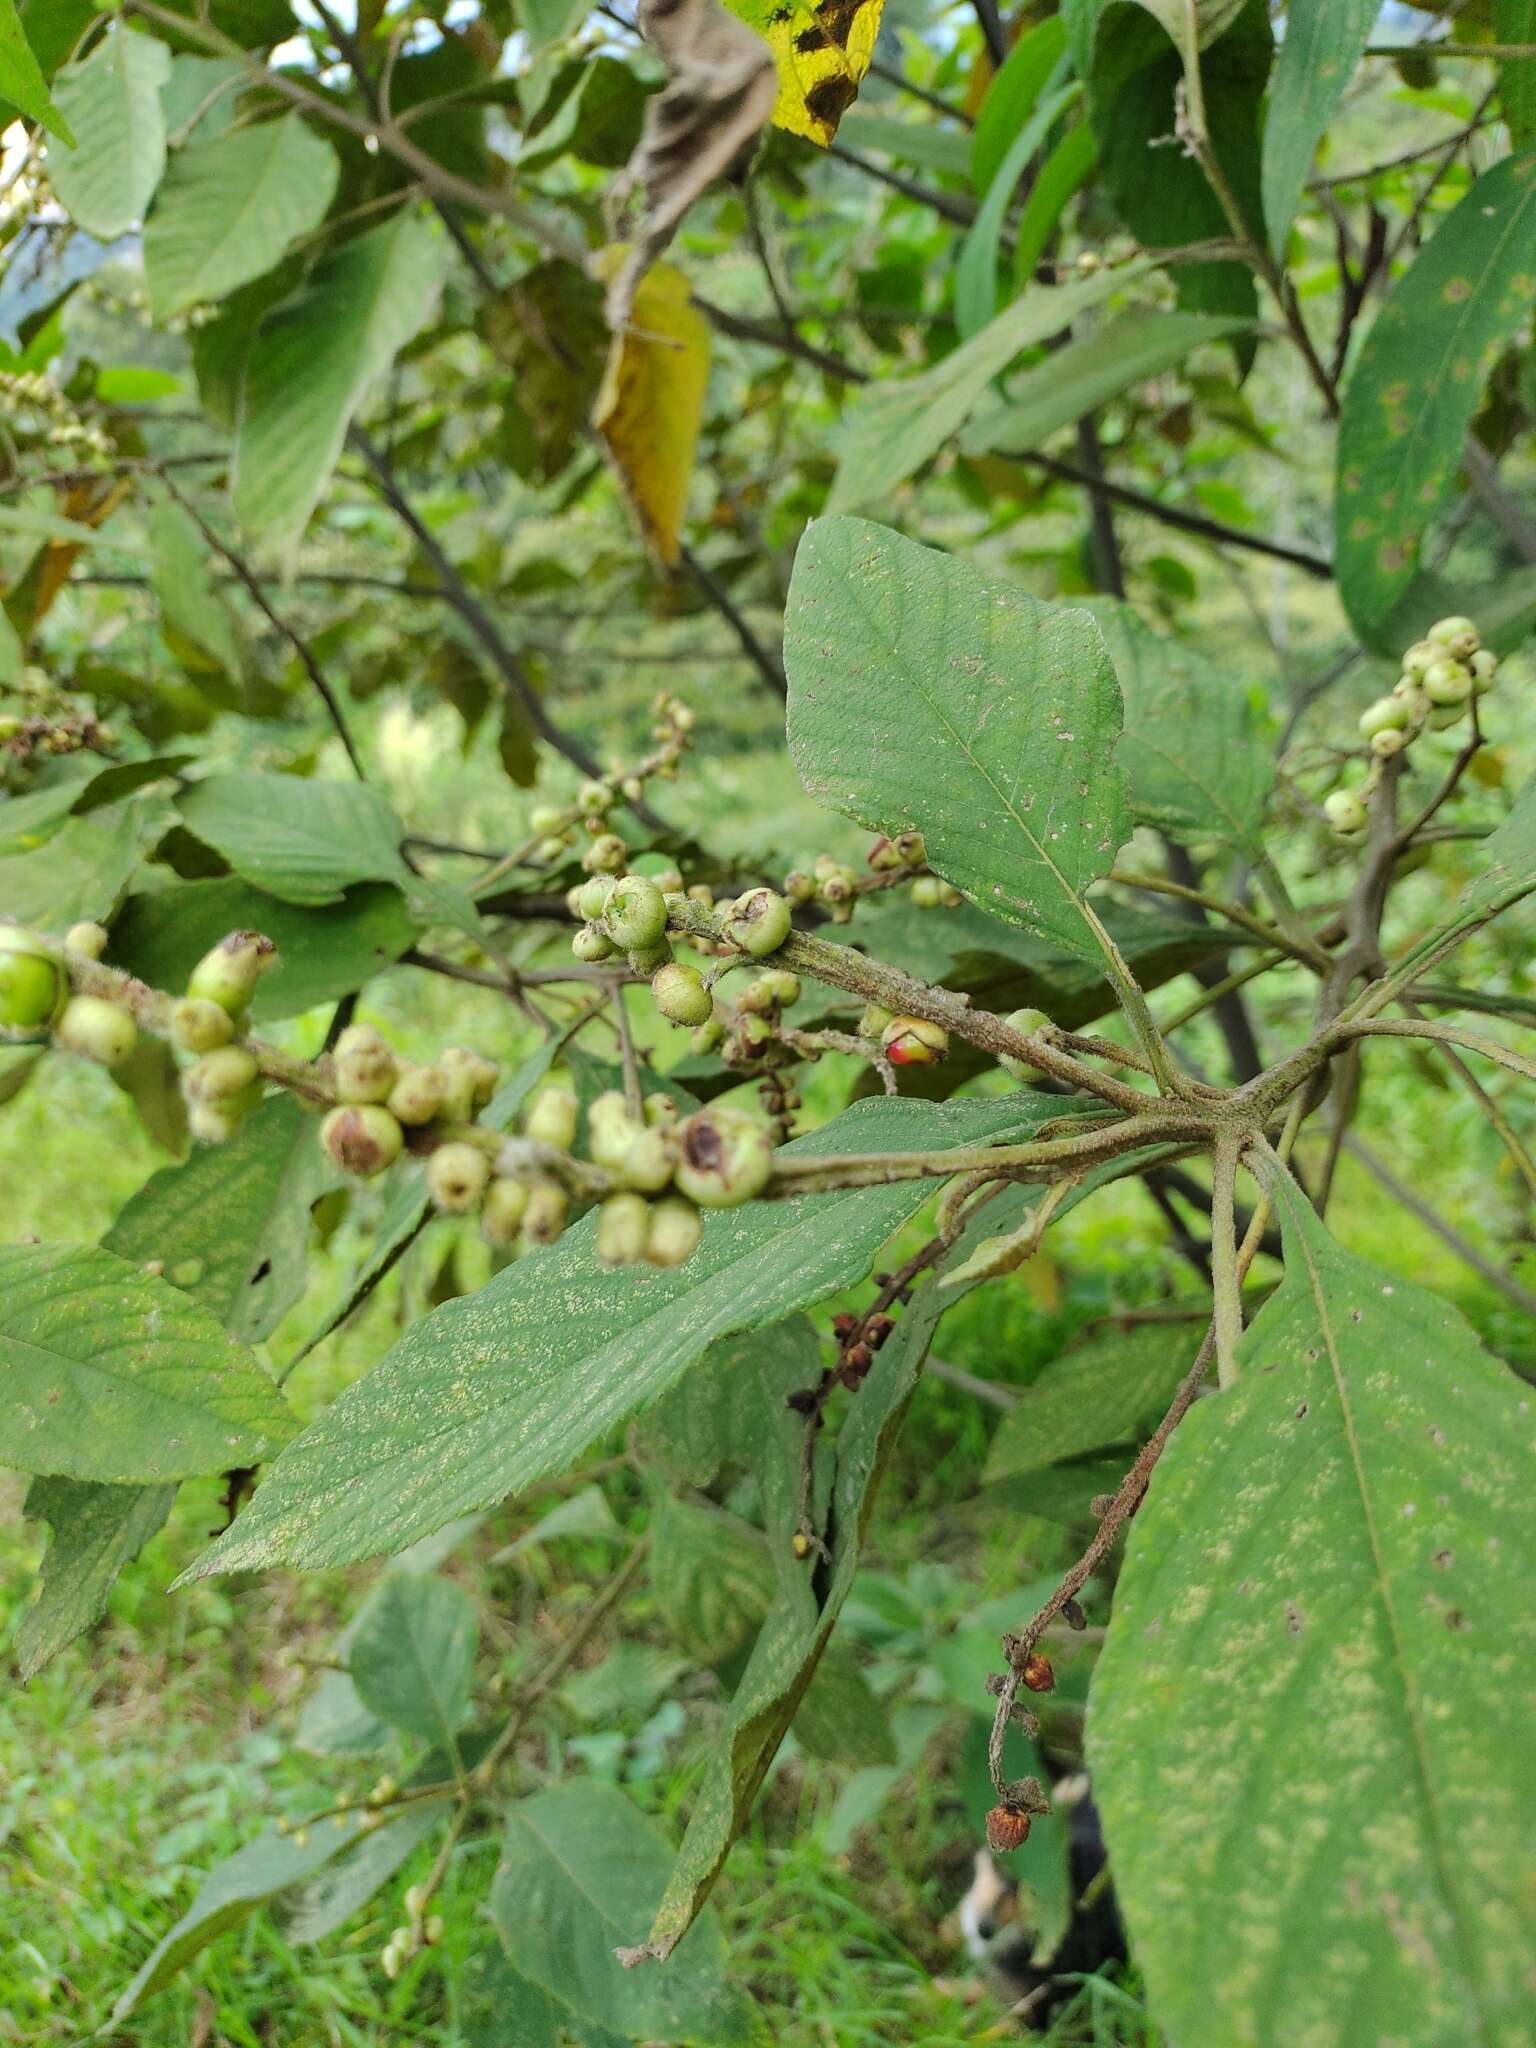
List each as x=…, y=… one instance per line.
x=1312, y=1704
x=111, y=103
x=505, y=1386
x=722, y=1412
x=925, y=695
x=1413, y=391
x=896, y=424
x=113, y=1374
x=1321, y=46
x=1199, y=767
x=412, y=1659
x=96, y=1531
x=234, y=1890
x=791, y=1642
x=298, y=837
x=232, y=1223
x=1110, y=1390
x=580, y=1865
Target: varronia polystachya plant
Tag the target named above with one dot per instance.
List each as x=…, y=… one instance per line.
x=1103, y=464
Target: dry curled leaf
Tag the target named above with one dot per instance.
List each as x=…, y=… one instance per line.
x=652, y=400
x=719, y=92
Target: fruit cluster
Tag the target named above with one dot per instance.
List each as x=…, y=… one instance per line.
x=35, y=1001
x=1443, y=675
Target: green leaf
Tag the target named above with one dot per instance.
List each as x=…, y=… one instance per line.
x=1319, y=51
x=893, y=427
x=1214, y=786
x=228, y=210
x=231, y=1893
x=1304, y=1706
x=1012, y=97
x=936, y=148
x=1416, y=384
x=711, y=1576
x=503, y=1387
x=976, y=269
x=1514, y=21
x=27, y=821
x=580, y=1868
x=84, y=868
x=1064, y=173
x=111, y=102
x=721, y=1412
x=184, y=590
x=1160, y=193
x=1085, y=374
x=794, y=1636
x=96, y=1531
x=839, y=1718
x=37, y=524
x=585, y=1514
x=998, y=718
x=232, y=1224
x=1111, y=1390
x=112, y=1374
x=412, y=1659
x=21, y=77
x=300, y=838
x=313, y=361
x=496, y=2006
x=349, y=1882
x=1506, y=874
x=322, y=952
x=192, y=99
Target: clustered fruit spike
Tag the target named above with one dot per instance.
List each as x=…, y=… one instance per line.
x=32, y=982
x=914, y=1042
x=1442, y=675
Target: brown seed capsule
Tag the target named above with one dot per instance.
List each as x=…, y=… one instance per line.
x=857, y=1360
x=844, y=1325
x=877, y=1329
x=1037, y=1673
x=1007, y=1829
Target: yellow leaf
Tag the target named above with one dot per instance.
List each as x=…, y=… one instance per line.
x=822, y=52
x=649, y=409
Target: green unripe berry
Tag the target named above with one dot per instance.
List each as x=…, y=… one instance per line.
x=432, y=1929
x=1443, y=716
x=501, y=1213
x=573, y=900
x=648, y=1159
x=417, y=1096
x=592, y=897
x=550, y=852
x=1385, y=715
x=949, y=896
x=32, y=982
x=632, y=788
x=927, y=892
x=1422, y=655
x=592, y=944
x=552, y=1117
x=783, y=985
x=228, y=975
x=914, y=1042
x=649, y=960
x=680, y=994
x=220, y=1076
x=1387, y=742
x=1448, y=682
x=660, y=1112
x=545, y=819
x=468, y=1081
x=708, y=1036
x=96, y=1030
x=1457, y=635
x=756, y=997
x=725, y=1157
x=673, y=1232
x=882, y=856
x=457, y=1174
x=606, y=855
x=199, y=1026
x=637, y=913
x=669, y=880
x=88, y=939
x=799, y=887
x=1484, y=665
x=759, y=922
x=701, y=894
x=362, y=1138
x=595, y=798
x=1345, y=813
x=610, y=1127
x=545, y=1213
x=1029, y=1024
x=912, y=848
x=363, y=1065
x=749, y=1034
x=622, y=1228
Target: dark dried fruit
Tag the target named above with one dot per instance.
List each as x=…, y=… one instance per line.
x=1037, y=1673
x=1007, y=1829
